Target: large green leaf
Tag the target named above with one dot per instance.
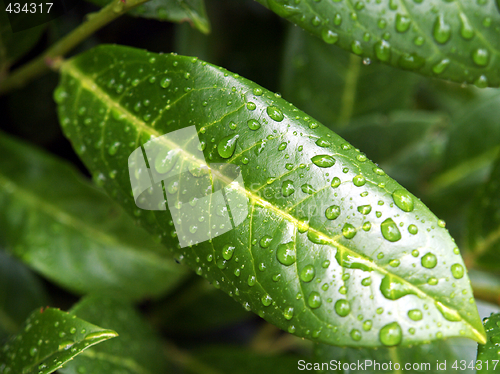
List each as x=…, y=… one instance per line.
x=484, y=223
x=455, y=40
x=335, y=86
x=192, y=11
x=20, y=293
x=488, y=355
x=332, y=249
x=49, y=339
x=66, y=229
x=137, y=350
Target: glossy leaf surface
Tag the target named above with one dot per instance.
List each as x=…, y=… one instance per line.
x=332, y=248
x=49, y=339
x=137, y=350
x=488, y=355
x=484, y=223
x=457, y=41
x=72, y=233
x=20, y=293
x=192, y=11
x=335, y=86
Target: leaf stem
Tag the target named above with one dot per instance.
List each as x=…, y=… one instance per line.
x=52, y=57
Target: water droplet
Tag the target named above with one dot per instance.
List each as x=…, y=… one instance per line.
x=466, y=29
x=251, y=106
x=322, y=142
x=366, y=281
x=429, y=260
x=441, y=66
x=60, y=95
x=411, y=61
x=391, y=334
x=308, y=189
x=288, y=313
x=332, y=212
x=274, y=113
x=448, y=313
x=253, y=124
x=415, y=314
x=266, y=300
x=282, y=146
x=349, y=231
x=251, y=280
x=314, y=300
x=356, y=47
x=441, y=30
x=350, y=261
x=287, y=188
x=457, y=270
x=359, y=180
x=481, y=56
x=382, y=50
x=355, y=335
x=329, y=36
x=265, y=241
x=367, y=325
x=394, y=288
x=227, y=145
x=403, y=200
x=323, y=161
x=286, y=253
x=308, y=273
x=412, y=229
x=335, y=182
x=342, y=307
x=165, y=82
x=316, y=237
x=257, y=91
x=227, y=251
x=390, y=231
x=402, y=23
x=364, y=209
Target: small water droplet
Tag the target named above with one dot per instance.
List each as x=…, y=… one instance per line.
x=308, y=273
x=332, y=212
x=286, y=253
x=342, y=307
x=314, y=300
x=349, y=231
x=429, y=260
x=403, y=200
x=402, y=23
x=457, y=270
x=390, y=230
x=227, y=251
x=441, y=30
x=253, y=124
x=323, y=161
x=481, y=56
x=165, y=82
x=227, y=145
x=274, y=113
x=391, y=334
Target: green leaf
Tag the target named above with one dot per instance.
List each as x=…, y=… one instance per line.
x=317, y=208
x=48, y=340
x=451, y=40
x=136, y=351
x=488, y=355
x=13, y=45
x=192, y=11
x=64, y=228
x=335, y=86
x=20, y=293
x=418, y=359
x=484, y=223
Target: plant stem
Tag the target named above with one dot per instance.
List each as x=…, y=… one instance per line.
x=51, y=58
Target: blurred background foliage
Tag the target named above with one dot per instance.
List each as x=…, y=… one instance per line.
x=438, y=139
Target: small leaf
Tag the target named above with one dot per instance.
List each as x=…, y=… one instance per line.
x=407, y=35
x=171, y=10
x=61, y=226
x=48, y=340
x=293, y=260
x=20, y=293
x=488, y=355
x=335, y=86
x=484, y=223
x=137, y=349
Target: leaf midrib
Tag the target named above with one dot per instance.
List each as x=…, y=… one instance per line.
x=87, y=83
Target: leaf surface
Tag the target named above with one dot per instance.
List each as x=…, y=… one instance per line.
x=48, y=340
x=453, y=40
x=192, y=11
x=72, y=233
x=488, y=355
x=20, y=293
x=335, y=86
x=331, y=249
x=137, y=350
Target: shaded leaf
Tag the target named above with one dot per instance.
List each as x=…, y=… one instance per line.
x=192, y=11
x=48, y=340
x=20, y=293
x=67, y=230
x=452, y=40
x=317, y=208
x=484, y=223
x=335, y=86
x=13, y=45
x=488, y=355
x=136, y=351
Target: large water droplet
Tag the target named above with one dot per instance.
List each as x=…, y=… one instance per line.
x=323, y=161
x=355, y=335
x=466, y=29
x=165, y=82
x=457, y=271
x=265, y=241
x=227, y=145
x=394, y=288
x=382, y=50
x=253, y=124
x=342, y=307
x=415, y=314
x=329, y=36
x=391, y=334
x=481, y=56
x=308, y=273
x=287, y=188
x=350, y=261
x=448, y=313
x=332, y=212
x=314, y=300
x=441, y=30
x=288, y=313
x=165, y=160
x=286, y=253
x=227, y=251
x=274, y=113
x=349, y=231
x=402, y=23
x=390, y=231
x=429, y=260
x=308, y=189
x=316, y=237
x=403, y=200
